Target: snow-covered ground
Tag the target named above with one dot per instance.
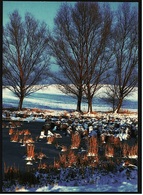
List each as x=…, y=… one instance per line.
x=52, y=98
x=97, y=182
x=125, y=179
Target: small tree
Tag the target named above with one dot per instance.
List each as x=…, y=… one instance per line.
x=25, y=56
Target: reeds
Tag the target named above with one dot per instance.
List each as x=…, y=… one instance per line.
x=26, y=132
x=109, y=150
x=102, y=138
x=41, y=155
x=110, y=139
x=133, y=153
x=117, y=141
x=15, y=136
x=11, y=131
x=64, y=148
x=125, y=150
x=63, y=160
x=30, y=152
x=50, y=139
x=75, y=139
x=57, y=164
x=11, y=172
x=42, y=166
x=93, y=146
x=71, y=158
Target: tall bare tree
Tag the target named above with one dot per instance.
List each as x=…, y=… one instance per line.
x=79, y=41
x=125, y=50
x=98, y=54
x=25, y=56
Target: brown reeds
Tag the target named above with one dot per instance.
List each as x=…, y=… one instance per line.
x=15, y=136
x=11, y=172
x=75, y=139
x=29, y=140
x=125, y=150
x=30, y=151
x=11, y=131
x=93, y=146
x=63, y=160
x=71, y=158
x=50, y=139
x=42, y=166
x=26, y=132
x=41, y=155
x=64, y=148
x=110, y=139
x=93, y=162
x=117, y=141
x=57, y=164
x=109, y=150
x=102, y=138
x=133, y=152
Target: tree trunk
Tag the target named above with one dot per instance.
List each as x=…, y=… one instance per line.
x=79, y=104
x=90, y=104
x=21, y=98
x=119, y=105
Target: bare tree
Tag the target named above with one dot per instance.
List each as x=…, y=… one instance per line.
x=125, y=49
x=98, y=55
x=78, y=45
x=110, y=94
x=25, y=56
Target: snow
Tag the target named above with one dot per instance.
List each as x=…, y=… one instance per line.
x=51, y=97
x=93, y=183
x=97, y=182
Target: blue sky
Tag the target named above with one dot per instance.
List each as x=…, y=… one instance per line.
x=41, y=10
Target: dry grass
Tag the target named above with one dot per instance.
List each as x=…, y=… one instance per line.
x=111, y=139
x=11, y=172
x=133, y=150
x=117, y=141
x=75, y=139
x=42, y=166
x=123, y=111
x=30, y=151
x=57, y=164
x=83, y=160
x=11, y=131
x=10, y=169
x=41, y=155
x=64, y=148
x=14, y=137
x=50, y=139
x=125, y=149
x=102, y=138
x=71, y=158
x=63, y=160
x=109, y=150
x=93, y=147
x=26, y=132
